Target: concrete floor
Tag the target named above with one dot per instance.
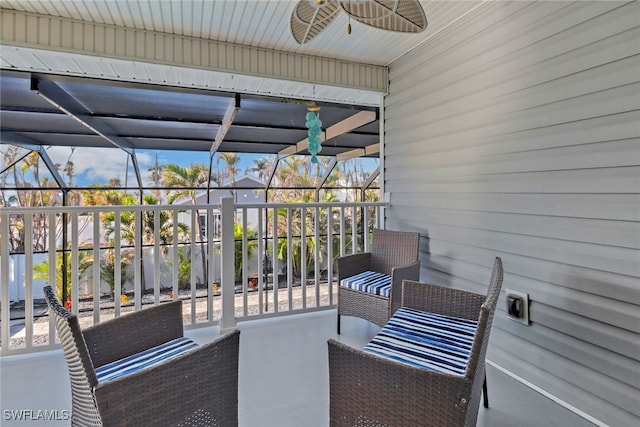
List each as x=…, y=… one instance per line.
x=283, y=379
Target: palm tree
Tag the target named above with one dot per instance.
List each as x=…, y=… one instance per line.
x=68, y=170
x=232, y=160
x=32, y=161
x=41, y=270
x=252, y=244
x=128, y=227
x=261, y=168
x=38, y=192
x=297, y=173
x=188, y=179
x=156, y=176
x=128, y=224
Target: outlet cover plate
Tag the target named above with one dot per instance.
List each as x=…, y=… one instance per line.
x=525, y=304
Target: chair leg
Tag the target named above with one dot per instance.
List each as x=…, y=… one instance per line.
x=338, y=324
x=485, y=394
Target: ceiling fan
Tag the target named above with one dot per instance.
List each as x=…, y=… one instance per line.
x=310, y=17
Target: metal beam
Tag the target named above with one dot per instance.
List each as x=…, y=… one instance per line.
x=368, y=182
x=345, y=126
x=26, y=143
x=136, y=168
x=227, y=120
x=359, y=152
x=324, y=178
x=272, y=173
x=371, y=178
x=59, y=98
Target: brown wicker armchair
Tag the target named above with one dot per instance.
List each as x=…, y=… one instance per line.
x=369, y=388
x=393, y=253
x=185, y=384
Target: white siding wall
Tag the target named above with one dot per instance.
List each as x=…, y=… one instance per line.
x=516, y=133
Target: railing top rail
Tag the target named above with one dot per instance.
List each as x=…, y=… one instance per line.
x=134, y=208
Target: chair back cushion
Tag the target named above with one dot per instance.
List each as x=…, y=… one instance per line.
x=391, y=249
x=81, y=371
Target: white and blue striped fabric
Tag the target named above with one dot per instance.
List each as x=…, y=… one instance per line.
x=425, y=340
x=370, y=282
x=144, y=360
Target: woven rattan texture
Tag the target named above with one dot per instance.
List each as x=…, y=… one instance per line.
x=392, y=252
x=197, y=388
x=366, y=390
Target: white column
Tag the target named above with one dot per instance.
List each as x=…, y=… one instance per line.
x=228, y=285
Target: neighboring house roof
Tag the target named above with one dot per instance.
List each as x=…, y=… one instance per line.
x=245, y=181
x=217, y=192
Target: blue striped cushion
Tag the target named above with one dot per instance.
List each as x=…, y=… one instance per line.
x=144, y=360
x=425, y=340
x=370, y=282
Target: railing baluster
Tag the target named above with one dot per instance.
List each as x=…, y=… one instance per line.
x=211, y=266
x=262, y=234
x=192, y=254
x=5, y=306
x=316, y=253
x=156, y=254
x=342, y=232
x=75, y=270
x=354, y=230
x=303, y=254
x=28, y=280
x=137, y=263
x=290, y=277
x=330, y=255
x=96, y=267
x=176, y=255
x=245, y=250
x=274, y=256
x=52, y=271
x=117, y=263
x=365, y=229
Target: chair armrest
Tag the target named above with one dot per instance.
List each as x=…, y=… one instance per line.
x=441, y=300
x=350, y=265
x=382, y=392
x=204, y=379
x=399, y=275
x=134, y=332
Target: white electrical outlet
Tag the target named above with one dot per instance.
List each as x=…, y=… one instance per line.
x=517, y=306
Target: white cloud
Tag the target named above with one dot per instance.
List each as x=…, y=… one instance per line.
x=97, y=165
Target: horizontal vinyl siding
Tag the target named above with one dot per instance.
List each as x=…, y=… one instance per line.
x=516, y=133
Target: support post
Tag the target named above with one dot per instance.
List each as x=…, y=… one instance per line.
x=228, y=285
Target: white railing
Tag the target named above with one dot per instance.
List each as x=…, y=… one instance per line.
x=226, y=263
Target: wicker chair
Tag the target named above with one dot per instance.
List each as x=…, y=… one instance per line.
x=370, y=390
x=393, y=253
x=198, y=386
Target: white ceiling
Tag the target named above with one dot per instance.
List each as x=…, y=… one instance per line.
x=258, y=23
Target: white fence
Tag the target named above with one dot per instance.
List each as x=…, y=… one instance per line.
x=226, y=263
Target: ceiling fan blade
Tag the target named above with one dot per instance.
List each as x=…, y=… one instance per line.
x=405, y=16
x=309, y=18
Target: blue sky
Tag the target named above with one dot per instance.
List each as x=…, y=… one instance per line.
x=99, y=165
